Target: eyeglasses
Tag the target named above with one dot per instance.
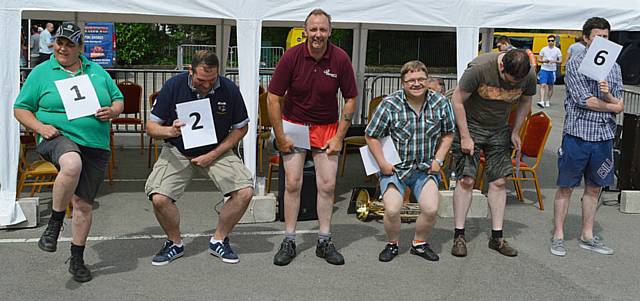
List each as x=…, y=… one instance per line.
x=551, y=40
x=415, y=81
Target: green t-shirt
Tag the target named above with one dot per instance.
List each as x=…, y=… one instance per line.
x=491, y=97
x=40, y=96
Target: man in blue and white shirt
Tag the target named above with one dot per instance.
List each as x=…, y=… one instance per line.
x=587, y=143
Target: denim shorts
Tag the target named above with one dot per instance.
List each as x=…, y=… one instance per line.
x=579, y=158
x=415, y=180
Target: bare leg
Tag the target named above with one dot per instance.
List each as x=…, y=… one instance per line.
x=428, y=201
x=392, y=203
x=560, y=210
x=82, y=218
x=67, y=180
x=497, y=197
x=462, y=196
x=293, y=165
x=168, y=216
x=589, y=206
x=326, y=171
x=232, y=212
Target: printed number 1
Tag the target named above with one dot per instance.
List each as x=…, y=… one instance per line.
x=600, y=59
x=195, y=125
x=78, y=95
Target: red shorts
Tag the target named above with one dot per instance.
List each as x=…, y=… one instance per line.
x=320, y=134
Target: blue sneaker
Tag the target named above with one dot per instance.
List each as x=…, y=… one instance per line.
x=168, y=253
x=223, y=251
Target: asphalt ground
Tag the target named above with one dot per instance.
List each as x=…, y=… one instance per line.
x=125, y=236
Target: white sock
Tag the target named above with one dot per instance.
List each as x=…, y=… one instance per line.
x=214, y=241
x=178, y=245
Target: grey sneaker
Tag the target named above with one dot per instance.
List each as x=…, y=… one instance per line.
x=595, y=245
x=557, y=247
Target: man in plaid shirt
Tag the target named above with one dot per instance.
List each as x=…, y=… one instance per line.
x=587, y=143
x=421, y=125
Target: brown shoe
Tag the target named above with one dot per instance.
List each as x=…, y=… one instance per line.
x=501, y=245
x=459, y=248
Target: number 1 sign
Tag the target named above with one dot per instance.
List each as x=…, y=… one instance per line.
x=598, y=61
x=78, y=96
x=199, y=129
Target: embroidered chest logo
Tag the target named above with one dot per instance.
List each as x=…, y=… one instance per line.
x=328, y=73
x=222, y=107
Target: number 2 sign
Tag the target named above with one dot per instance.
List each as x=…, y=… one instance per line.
x=600, y=57
x=78, y=96
x=199, y=129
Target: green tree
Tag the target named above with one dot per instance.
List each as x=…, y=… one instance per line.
x=134, y=42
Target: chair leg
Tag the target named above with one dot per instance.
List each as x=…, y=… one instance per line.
x=343, y=158
x=445, y=181
x=269, y=174
x=535, y=179
x=141, y=141
x=23, y=179
x=69, y=211
x=149, y=153
x=260, y=142
x=480, y=177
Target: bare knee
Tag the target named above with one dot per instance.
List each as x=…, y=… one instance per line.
x=160, y=201
x=293, y=184
x=467, y=182
x=70, y=164
x=80, y=205
x=326, y=187
x=565, y=192
x=243, y=195
x=499, y=183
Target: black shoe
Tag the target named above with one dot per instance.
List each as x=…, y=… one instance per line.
x=325, y=249
x=286, y=253
x=49, y=240
x=390, y=251
x=425, y=252
x=78, y=269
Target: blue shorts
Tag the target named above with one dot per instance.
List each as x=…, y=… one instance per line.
x=546, y=77
x=415, y=180
x=578, y=158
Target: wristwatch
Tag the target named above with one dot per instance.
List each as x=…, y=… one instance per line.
x=440, y=162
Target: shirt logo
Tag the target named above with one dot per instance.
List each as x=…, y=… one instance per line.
x=222, y=107
x=328, y=73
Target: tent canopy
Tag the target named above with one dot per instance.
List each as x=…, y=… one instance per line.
x=466, y=17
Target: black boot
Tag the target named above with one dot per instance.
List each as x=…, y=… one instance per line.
x=77, y=268
x=49, y=240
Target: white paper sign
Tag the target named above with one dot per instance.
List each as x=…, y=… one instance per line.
x=390, y=154
x=199, y=129
x=298, y=133
x=598, y=61
x=78, y=96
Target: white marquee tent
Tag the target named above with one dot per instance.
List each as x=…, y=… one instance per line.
x=466, y=18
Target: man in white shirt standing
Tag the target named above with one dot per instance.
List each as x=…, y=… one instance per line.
x=549, y=56
x=45, y=44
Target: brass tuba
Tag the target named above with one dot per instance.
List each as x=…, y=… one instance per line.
x=366, y=208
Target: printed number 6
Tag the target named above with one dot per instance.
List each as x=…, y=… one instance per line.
x=600, y=59
x=195, y=125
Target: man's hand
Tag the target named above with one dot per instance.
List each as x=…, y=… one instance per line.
x=515, y=140
x=604, y=87
x=204, y=160
x=104, y=114
x=48, y=131
x=467, y=145
x=333, y=146
x=285, y=145
x=387, y=169
x=175, y=129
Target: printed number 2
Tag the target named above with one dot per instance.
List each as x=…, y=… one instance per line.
x=600, y=59
x=78, y=95
x=195, y=125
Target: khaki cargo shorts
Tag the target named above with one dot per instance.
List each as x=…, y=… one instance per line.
x=173, y=171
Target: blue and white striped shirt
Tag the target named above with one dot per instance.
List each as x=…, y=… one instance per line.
x=579, y=120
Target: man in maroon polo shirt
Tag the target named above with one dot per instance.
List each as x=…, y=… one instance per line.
x=306, y=82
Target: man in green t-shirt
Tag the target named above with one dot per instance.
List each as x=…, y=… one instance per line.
x=491, y=86
x=77, y=146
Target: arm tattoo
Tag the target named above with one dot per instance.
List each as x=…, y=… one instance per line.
x=347, y=116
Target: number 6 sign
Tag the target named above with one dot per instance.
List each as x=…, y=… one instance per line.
x=598, y=61
x=199, y=129
x=78, y=96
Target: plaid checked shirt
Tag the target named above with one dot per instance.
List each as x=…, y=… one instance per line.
x=580, y=121
x=414, y=134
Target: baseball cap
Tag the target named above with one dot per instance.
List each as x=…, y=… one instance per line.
x=69, y=31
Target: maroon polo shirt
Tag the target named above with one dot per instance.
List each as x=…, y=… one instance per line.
x=310, y=87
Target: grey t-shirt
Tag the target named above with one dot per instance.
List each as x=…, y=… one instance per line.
x=575, y=48
x=491, y=97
